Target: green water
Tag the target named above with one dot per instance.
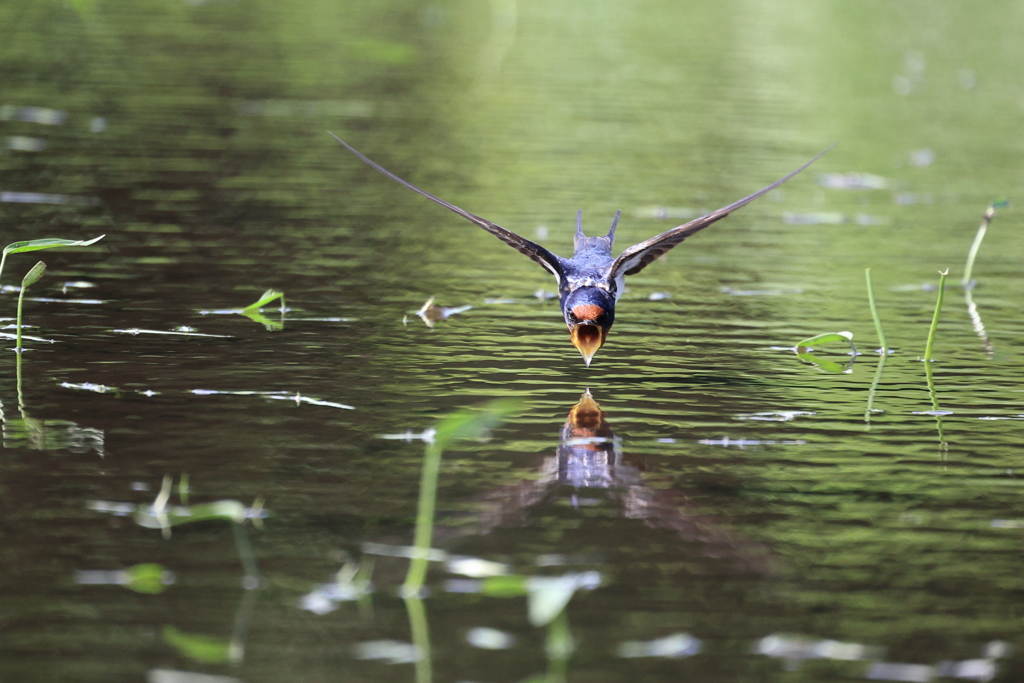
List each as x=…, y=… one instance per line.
x=736, y=510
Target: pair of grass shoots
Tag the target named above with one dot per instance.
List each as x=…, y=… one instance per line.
x=38, y=270
x=966, y=282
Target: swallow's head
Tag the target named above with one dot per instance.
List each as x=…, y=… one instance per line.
x=589, y=313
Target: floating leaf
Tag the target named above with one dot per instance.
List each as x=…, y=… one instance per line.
x=512, y=586
x=158, y=517
x=827, y=338
x=206, y=649
x=148, y=578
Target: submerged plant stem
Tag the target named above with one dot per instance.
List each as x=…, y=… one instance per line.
x=874, y=314
x=935, y=317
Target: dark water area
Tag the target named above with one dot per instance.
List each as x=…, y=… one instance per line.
x=699, y=503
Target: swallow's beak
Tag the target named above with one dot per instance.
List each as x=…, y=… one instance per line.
x=588, y=338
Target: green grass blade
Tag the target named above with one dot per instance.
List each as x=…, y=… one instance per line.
x=935, y=317
x=874, y=313
x=826, y=338
x=47, y=243
x=986, y=218
x=268, y=296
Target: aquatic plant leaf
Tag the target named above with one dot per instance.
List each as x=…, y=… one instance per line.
x=150, y=578
x=470, y=423
x=155, y=517
x=548, y=596
x=47, y=243
x=268, y=296
x=33, y=275
x=206, y=649
x=511, y=586
x=826, y=338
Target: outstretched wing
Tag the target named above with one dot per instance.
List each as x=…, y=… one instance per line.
x=520, y=244
x=635, y=258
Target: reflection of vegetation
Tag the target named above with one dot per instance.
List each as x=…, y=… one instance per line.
x=804, y=347
x=462, y=424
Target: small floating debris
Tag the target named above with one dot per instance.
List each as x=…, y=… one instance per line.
x=776, y=415
x=87, y=302
x=800, y=648
x=933, y=413
x=77, y=284
x=477, y=568
x=350, y=584
x=544, y=295
x=658, y=296
x=278, y=395
x=359, y=108
x=675, y=646
x=683, y=213
x=761, y=292
x=141, y=578
x=743, y=443
x=41, y=115
x=431, y=314
x=922, y=157
x=20, y=143
x=905, y=198
x=388, y=651
x=852, y=181
x=489, y=638
x=44, y=198
x=541, y=232
x=89, y=386
x=135, y=331
x=832, y=218
x=502, y=301
x=7, y=335
x=426, y=436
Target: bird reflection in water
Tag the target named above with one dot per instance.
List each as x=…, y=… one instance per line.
x=590, y=477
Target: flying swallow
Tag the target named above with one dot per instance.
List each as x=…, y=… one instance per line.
x=591, y=281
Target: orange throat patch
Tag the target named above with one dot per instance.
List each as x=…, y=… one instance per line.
x=587, y=312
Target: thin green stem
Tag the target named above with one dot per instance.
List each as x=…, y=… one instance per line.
x=17, y=344
x=986, y=218
x=935, y=317
x=3, y=260
x=424, y=520
x=874, y=313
